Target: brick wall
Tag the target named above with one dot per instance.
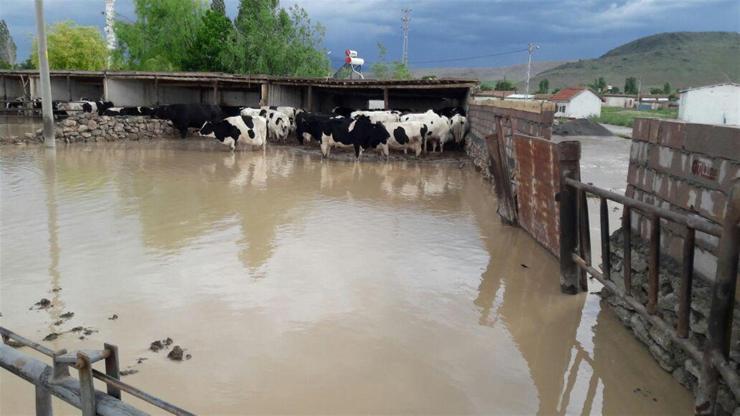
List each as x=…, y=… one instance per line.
x=687, y=168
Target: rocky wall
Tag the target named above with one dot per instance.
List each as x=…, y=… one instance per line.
x=90, y=127
x=669, y=355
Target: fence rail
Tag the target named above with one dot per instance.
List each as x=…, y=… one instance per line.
x=575, y=261
x=56, y=380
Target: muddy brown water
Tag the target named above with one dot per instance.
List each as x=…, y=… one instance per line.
x=302, y=286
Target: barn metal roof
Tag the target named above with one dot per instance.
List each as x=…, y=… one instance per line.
x=257, y=79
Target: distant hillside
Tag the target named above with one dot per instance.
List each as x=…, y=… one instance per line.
x=684, y=59
x=514, y=73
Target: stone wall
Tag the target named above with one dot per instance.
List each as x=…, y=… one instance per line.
x=89, y=127
x=687, y=168
x=669, y=355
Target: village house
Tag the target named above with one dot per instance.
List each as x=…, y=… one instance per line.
x=711, y=104
x=576, y=102
x=619, y=100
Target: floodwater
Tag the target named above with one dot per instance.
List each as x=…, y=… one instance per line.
x=12, y=125
x=302, y=286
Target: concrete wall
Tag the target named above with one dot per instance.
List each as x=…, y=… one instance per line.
x=711, y=105
x=288, y=95
x=91, y=89
x=124, y=92
x=240, y=97
x=583, y=105
x=687, y=168
x=621, y=102
x=11, y=88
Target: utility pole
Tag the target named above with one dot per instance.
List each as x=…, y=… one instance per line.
x=530, y=50
x=46, y=111
x=405, y=26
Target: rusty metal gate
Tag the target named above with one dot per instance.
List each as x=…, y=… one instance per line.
x=575, y=265
x=81, y=393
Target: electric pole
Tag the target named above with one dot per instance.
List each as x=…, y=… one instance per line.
x=46, y=111
x=405, y=26
x=530, y=50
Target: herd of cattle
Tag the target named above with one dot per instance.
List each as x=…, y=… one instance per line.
x=360, y=130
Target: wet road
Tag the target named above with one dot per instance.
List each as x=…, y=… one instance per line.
x=305, y=287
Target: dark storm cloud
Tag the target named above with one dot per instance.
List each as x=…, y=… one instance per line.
x=441, y=30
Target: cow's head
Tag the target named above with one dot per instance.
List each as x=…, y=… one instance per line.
x=207, y=130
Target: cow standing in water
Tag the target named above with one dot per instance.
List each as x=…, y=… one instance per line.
x=231, y=130
x=184, y=116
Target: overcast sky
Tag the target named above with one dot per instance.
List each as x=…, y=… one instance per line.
x=443, y=30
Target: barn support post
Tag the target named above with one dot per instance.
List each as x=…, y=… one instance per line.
x=386, y=100
x=69, y=88
x=43, y=401
x=156, y=90
x=264, y=91
x=49, y=136
x=309, y=98
x=105, y=86
x=5, y=90
x=568, y=201
x=215, y=93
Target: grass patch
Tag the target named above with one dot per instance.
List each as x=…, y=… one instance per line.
x=626, y=117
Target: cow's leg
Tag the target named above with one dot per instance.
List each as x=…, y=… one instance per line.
x=358, y=152
x=441, y=147
x=183, y=130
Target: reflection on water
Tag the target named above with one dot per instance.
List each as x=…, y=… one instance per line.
x=13, y=125
x=305, y=287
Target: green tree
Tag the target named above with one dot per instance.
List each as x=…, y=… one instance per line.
x=630, y=85
x=544, y=86
x=162, y=35
x=276, y=41
x=212, y=47
x=70, y=46
x=667, y=88
x=614, y=90
x=599, y=85
x=656, y=91
x=504, y=85
x=382, y=69
x=218, y=6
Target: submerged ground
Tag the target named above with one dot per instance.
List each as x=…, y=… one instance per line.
x=302, y=286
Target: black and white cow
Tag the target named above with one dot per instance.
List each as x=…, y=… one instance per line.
x=128, y=111
x=184, y=116
x=86, y=106
x=377, y=116
x=290, y=112
x=361, y=134
x=458, y=127
x=451, y=111
x=233, y=130
x=407, y=135
x=342, y=111
x=278, y=126
x=439, y=127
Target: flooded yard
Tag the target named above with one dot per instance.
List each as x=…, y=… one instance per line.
x=302, y=286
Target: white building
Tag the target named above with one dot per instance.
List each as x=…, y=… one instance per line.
x=712, y=104
x=619, y=100
x=576, y=102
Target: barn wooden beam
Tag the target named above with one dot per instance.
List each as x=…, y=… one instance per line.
x=264, y=91
x=386, y=99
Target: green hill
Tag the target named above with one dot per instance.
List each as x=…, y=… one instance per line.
x=685, y=59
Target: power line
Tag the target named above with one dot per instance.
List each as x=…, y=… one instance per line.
x=470, y=57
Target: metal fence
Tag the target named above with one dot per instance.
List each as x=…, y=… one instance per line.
x=575, y=265
x=81, y=393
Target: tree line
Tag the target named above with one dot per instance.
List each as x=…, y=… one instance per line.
x=193, y=35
